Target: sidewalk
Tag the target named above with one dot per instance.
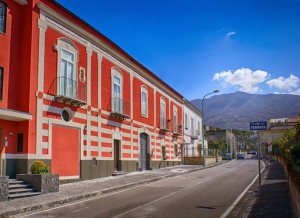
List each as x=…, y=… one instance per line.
x=274, y=200
x=90, y=188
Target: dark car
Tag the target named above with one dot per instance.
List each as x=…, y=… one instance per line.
x=240, y=156
x=226, y=156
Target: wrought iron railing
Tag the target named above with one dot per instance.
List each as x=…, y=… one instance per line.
x=194, y=134
x=68, y=90
x=164, y=125
x=120, y=107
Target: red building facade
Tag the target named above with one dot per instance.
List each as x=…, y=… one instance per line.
x=71, y=97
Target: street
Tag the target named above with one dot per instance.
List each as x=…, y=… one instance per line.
x=205, y=193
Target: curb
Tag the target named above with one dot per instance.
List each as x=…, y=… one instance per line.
x=98, y=193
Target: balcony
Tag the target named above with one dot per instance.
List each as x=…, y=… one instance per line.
x=194, y=134
x=176, y=132
x=68, y=91
x=164, y=125
x=120, y=109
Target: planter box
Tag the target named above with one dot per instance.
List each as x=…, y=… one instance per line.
x=44, y=183
x=4, y=182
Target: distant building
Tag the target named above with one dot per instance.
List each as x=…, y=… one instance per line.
x=216, y=134
x=275, y=131
x=192, y=128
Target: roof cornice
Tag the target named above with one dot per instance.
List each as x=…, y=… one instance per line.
x=22, y=2
x=111, y=51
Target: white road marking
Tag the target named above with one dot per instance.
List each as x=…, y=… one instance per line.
x=166, y=196
x=114, y=193
x=226, y=213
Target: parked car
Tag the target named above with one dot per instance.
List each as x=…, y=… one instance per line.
x=240, y=156
x=226, y=156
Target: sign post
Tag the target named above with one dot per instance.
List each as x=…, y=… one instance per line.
x=259, y=125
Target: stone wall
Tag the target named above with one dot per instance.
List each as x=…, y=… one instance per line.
x=4, y=182
x=44, y=183
x=193, y=160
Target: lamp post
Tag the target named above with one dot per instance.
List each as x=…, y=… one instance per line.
x=203, y=129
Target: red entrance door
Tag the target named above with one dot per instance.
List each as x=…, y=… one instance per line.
x=65, y=151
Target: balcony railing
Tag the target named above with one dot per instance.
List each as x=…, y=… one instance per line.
x=68, y=91
x=194, y=134
x=120, y=109
x=176, y=128
x=164, y=125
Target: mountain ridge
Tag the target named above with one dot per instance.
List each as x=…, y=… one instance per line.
x=236, y=110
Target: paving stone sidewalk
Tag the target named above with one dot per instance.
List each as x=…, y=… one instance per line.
x=274, y=200
x=91, y=188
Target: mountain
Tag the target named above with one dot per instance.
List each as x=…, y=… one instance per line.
x=237, y=110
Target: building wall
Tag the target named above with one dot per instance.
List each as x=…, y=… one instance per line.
x=93, y=130
x=192, y=140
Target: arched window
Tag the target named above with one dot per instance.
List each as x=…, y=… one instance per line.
x=67, y=68
x=144, y=101
x=117, y=90
x=162, y=114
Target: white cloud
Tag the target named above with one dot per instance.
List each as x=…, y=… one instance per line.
x=228, y=35
x=245, y=79
x=290, y=85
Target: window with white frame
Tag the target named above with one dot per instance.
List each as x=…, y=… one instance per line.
x=144, y=101
x=67, y=68
x=192, y=127
x=185, y=121
x=3, y=8
x=162, y=114
x=117, y=91
x=175, y=119
x=199, y=127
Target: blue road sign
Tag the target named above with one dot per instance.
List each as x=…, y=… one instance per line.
x=259, y=125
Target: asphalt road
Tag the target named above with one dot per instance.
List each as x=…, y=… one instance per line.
x=205, y=193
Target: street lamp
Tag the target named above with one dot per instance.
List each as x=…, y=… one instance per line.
x=203, y=129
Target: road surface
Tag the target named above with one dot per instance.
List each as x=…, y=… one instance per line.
x=205, y=193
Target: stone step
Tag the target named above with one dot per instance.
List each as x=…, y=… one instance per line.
x=15, y=181
x=16, y=186
x=23, y=195
x=20, y=190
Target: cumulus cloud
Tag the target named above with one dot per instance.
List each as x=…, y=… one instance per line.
x=289, y=85
x=245, y=79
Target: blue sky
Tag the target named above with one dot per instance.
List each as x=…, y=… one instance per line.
x=197, y=46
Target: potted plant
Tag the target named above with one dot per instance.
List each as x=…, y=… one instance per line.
x=41, y=178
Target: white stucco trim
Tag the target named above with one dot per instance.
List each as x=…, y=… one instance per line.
x=22, y=2
x=12, y=115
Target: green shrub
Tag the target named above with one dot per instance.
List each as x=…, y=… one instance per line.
x=39, y=167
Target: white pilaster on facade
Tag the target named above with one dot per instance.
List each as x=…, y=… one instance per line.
x=131, y=112
x=99, y=56
x=89, y=52
x=39, y=115
x=155, y=134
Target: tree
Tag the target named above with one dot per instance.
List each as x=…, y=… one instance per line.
x=289, y=143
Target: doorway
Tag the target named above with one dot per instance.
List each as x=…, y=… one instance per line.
x=117, y=159
x=144, y=152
